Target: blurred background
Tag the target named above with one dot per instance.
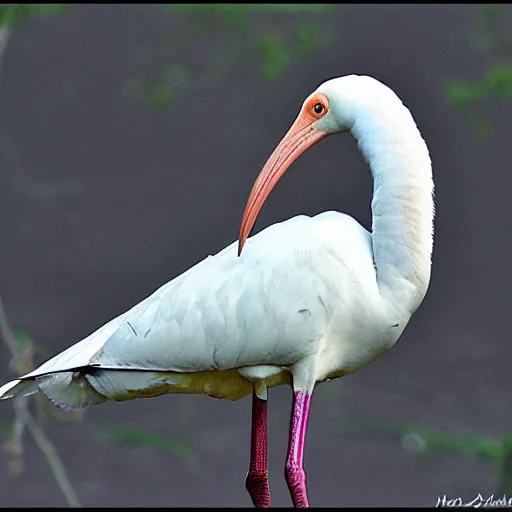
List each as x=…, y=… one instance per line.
x=130, y=136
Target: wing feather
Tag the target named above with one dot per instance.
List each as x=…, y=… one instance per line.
x=269, y=306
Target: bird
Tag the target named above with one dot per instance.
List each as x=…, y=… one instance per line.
x=304, y=301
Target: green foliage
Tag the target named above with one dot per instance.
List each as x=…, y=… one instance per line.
x=427, y=442
x=492, y=37
x=496, y=451
x=496, y=83
x=275, y=54
x=138, y=437
x=470, y=97
x=14, y=14
x=477, y=447
x=276, y=48
x=22, y=339
x=462, y=93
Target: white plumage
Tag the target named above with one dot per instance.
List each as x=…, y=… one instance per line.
x=308, y=299
x=264, y=308
x=303, y=288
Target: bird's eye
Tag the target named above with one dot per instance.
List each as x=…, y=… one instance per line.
x=318, y=109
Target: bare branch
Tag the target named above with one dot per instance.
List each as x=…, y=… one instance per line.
x=6, y=332
x=5, y=32
x=56, y=465
x=23, y=418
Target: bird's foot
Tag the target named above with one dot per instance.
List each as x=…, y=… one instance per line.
x=296, y=479
x=256, y=483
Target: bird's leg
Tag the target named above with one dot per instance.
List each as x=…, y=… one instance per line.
x=294, y=470
x=256, y=481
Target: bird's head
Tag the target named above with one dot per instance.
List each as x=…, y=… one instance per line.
x=332, y=108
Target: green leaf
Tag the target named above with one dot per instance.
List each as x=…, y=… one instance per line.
x=275, y=56
x=473, y=446
x=161, y=95
x=478, y=447
x=462, y=93
x=147, y=439
x=13, y=14
x=498, y=81
x=22, y=339
x=44, y=9
x=277, y=50
x=308, y=35
x=238, y=15
x=308, y=39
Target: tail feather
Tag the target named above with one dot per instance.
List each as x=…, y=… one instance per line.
x=69, y=390
x=18, y=387
x=78, y=389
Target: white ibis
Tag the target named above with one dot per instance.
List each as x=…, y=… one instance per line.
x=308, y=300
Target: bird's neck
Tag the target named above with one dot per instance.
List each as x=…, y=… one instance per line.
x=402, y=206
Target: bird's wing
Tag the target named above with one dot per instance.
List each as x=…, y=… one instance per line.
x=272, y=305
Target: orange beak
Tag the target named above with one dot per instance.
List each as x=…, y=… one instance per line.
x=300, y=137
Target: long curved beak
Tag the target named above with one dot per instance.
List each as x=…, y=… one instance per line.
x=300, y=137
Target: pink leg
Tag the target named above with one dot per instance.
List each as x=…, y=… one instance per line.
x=256, y=481
x=294, y=471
